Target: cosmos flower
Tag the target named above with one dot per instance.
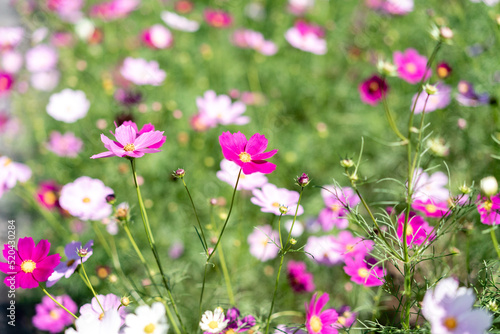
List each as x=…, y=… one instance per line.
x=372, y=90
x=437, y=101
x=85, y=198
x=270, y=198
x=33, y=264
x=299, y=7
x=248, y=154
x=108, y=323
x=12, y=61
x=336, y=201
x=307, y=37
x=431, y=208
x=12, y=172
x=299, y=278
x=489, y=209
x=263, y=241
x=249, y=39
x=217, y=18
x=157, y=37
x=364, y=273
x=213, y=322
x=47, y=194
x=64, y=145
x=443, y=70
x=411, y=66
x=6, y=83
x=109, y=302
x=131, y=142
x=229, y=173
x=41, y=58
x=324, y=250
x=68, y=267
x=430, y=187
x=417, y=230
x=216, y=109
x=141, y=72
x=114, y=9
x=51, y=317
x=45, y=81
x=346, y=317
x=147, y=320
x=68, y=10
x=10, y=37
x=68, y=106
x=350, y=246
x=178, y=22
x=468, y=97
x=318, y=321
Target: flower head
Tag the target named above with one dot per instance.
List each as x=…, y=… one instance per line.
x=10, y=37
x=114, y=9
x=270, y=198
x=364, y=273
x=64, y=145
x=307, y=37
x=337, y=200
x=141, y=72
x=33, y=264
x=324, y=250
x=468, y=97
x=431, y=208
x=229, y=174
x=317, y=321
x=373, y=90
x=213, y=322
x=6, y=83
x=147, y=320
x=299, y=278
x=216, y=109
x=417, y=230
x=263, y=243
x=430, y=186
x=68, y=106
x=157, y=37
x=68, y=267
x=217, y=18
x=41, y=58
x=178, y=22
x=443, y=70
x=433, y=102
x=248, y=154
x=12, y=172
x=51, y=317
x=249, y=39
x=109, y=302
x=489, y=209
x=411, y=66
x=47, y=194
x=131, y=142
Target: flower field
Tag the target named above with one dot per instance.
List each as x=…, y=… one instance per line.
x=300, y=166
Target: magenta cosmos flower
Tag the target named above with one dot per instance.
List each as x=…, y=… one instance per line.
x=114, y=9
x=411, y=66
x=217, y=18
x=157, y=37
x=47, y=194
x=131, y=142
x=299, y=278
x=33, y=264
x=489, y=209
x=51, y=317
x=373, y=90
x=431, y=208
x=248, y=154
x=270, y=198
x=364, y=272
x=318, y=322
x=417, y=231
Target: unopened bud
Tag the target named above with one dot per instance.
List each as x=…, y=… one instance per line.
x=111, y=198
x=445, y=33
x=465, y=189
x=179, y=173
x=293, y=241
x=430, y=89
x=125, y=301
x=213, y=201
x=283, y=209
x=489, y=186
x=346, y=163
x=82, y=252
x=493, y=306
x=303, y=180
x=353, y=177
x=386, y=68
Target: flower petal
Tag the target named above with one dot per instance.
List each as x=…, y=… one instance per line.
x=256, y=144
x=41, y=250
x=125, y=134
x=25, y=248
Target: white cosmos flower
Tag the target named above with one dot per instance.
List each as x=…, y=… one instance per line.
x=141, y=72
x=147, y=320
x=178, y=22
x=213, y=322
x=68, y=106
x=88, y=324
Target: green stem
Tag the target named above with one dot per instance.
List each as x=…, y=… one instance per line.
x=275, y=293
x=196, y=215
x=55, y=301
x=152, y=244
x=90, y=284
x=294, y=218
x=495, y=242
x=227, y=277
x=407, y=292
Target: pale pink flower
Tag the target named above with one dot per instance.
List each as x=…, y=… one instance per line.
x=270, y=197
x=398, y=7
x=45, y=81
x=114, y=9
x=12, y=172
x=229, y=173
x=109, y=302
x=307, y=37
x=68, y=106
x=10, y=37
x=12, y=61
x=216, y=109
x=141, y=72
x=178, y=22
x=263, y=243
x=364, y=272
x=249, y=39
x=437, y=101
x=490, y=3
x=157, y=37
x=324, y=250
x=430, y=187
x=337, y=200
x=64, y=145
x=85, y=198
x=299, y=7
x=41, y=58
x=411, y=66
x=68, y=10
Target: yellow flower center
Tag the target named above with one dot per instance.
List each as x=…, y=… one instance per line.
x=373, y=86
x=488, y=205
x=70, y=262
x=28, y=266
x=230, y=331
x=336, y=208
x=149, y=329
x=276, y=204
x=7, y=162
x=101, y=316
x=450, y=323
x=315, y=324
x=431, y=208
x=49, y=198
x=341, y=320
x=442, y=72
x=86, y=200
x=54, y=315
x=463, y=87
x=411, y=68
x=363, y=272
x=245, y=157
x=349, y=248
x=213, y=324
x=409, y=230
x=129, y=147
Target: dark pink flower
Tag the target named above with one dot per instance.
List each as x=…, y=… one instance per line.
x=346, y=317
x=318, y=322
x=248, y=154
x=114, y=9
x=47, y=194
x=372, y=90
x=157, y=37
x=51, y=317
x=217, y=18
x=489, y=209
x=364, y=273
x=33, y=264
x=443, y=70
x=6, y=82
x=299, y=278
x=131, y=142
x=411, y=66
x=431, y=208
x=417, y=231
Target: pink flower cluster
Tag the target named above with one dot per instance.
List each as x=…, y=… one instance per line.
x=337, y=201
x=249, y=39
x=141, y=72
x=392, y=7
x=418, y=230
x=217, y=18
x=51, y=317
x=114, y=9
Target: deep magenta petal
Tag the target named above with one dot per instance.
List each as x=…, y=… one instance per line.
x=260, y=166
x=25, y=248
x=42, y=274
x=27, y=281
x=8, y=280
x=50, y=262
x=235, y=143
x=256, y=144
x=321, y=302
x=146, y=128
x=263, y=156
x=41, y=251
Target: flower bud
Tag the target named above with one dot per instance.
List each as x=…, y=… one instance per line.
x=111, y=199
x=293, y=241
x=125, y=301
x=122, y=212
x=283, y=209
x=489, y=186
x=465, y=189
x=445, y=33
x=179, y=173
x=430, y=89
x=493, y=306
x=346, y=163
x=386, y=68
x=303, y=180
x=82, y=252
x=213, y=201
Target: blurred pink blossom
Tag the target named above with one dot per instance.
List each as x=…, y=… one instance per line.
x=217, y=18
x=64, y=145
x=41, y=58
x=141, y=72
x=411, y=66
x=216, y=109
x=10, y=37
x=12, y=172
x=261, y=246
x=249, y=39
x=12, y=61
x=270, y=197
x=114, y=9
x=437, y=101
x=336, y=200
x=157, y=37
x=307, y=37
x=229, y=173
x=364, y=272
x=372, y=90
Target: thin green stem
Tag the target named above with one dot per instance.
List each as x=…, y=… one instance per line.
x=152, y=244
x=294, y=218
x=196, y=215
x=495, y=242
x=227, y=277
x=407, y=292
x=275, y=293
x=55, y=301
x=90, y=284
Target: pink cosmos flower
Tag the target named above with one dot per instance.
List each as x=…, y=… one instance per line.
x=336, y=201
x=178, y=22
x=157, y=37
x=216, y=109
x=33, y=264
x=299, y=278
x=141, y=72
x=68, y=267
x=398, y=7
x=449, y=310
x=411, y=66
x=217, y=18
x=489, y=209
x=346, y=317
x=364, y=273
x=299, y=7
x=431, y=208
x=270, y=198
x=64, y=145
x=317, y=321
x=437, y=101
x=12, y=61
x=45, y=81
x=41, y=58
x=85, y=198
x=249, y=39
x=114, y=9
x=468, y=97
x=131, y=142
x=324, y=250
x=109, y=302
x=263, y=243
x=248, y=154
x=350, y=246
x=47, y=194
x=6, y=83
x=12, y=172
x=307, y=37
x=229, y=173
x=10, y=37
x=68, y=10
x=51, y=317
x=68, y=106
x=372, y=90
x=417, y=231
x=430, y=187
x=61, y=39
